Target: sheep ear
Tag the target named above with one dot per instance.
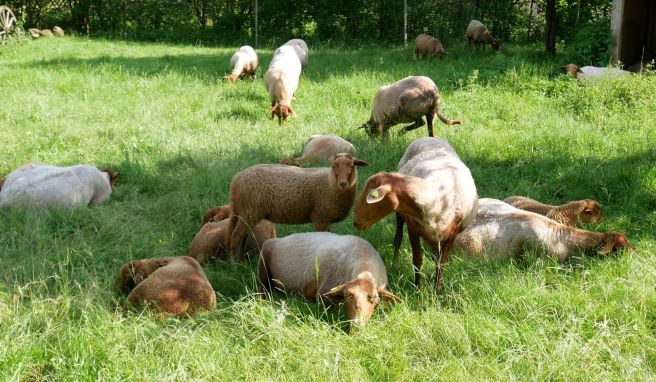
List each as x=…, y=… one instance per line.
x=377, y=194
x=388, y=296
x=578, y=70
x=337, y=293
x=359, y=162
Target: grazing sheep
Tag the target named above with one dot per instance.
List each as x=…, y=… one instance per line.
x=592, y=72
x=291, y=195
x=59, y=187
x=244, y=63
x=321, y=148
x=301, y=49
x=58, y=32
x=572, y=213
x=478, y=33
x=503, y=230
x=326, y=266
x=427, y=45
x=174, y=285
x=407, y=100
x=209, y=241
x=281, y=81
x=433, y=191
x=217, y=214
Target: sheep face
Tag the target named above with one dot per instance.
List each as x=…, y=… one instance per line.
x=282, y=112
x=495, y=45
x=289, y=162
x=217, y=214
x=343, y=169
x=614, y=241
x=590, y=211
x=373, y=129
x=131, y=275
x=112, y=176
x=361, y=297
x=571, y=69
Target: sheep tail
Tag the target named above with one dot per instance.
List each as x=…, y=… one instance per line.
x=445, y=119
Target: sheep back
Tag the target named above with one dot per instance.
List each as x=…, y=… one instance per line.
x=428, y=45
x=301, y=49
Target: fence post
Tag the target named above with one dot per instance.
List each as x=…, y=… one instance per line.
x=405, y=23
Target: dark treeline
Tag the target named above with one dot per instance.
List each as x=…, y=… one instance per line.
x=315, y=20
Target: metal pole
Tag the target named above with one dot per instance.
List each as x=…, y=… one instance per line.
x=257, y=27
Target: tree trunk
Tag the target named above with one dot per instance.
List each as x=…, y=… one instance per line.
x=550, y=28
x=200, y=9
x=405, y=23
x=257, y=27
x=578, y=13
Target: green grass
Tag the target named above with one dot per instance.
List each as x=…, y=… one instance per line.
x=162, y=116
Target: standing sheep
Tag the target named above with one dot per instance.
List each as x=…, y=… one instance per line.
x=291, y=195
x=427, y=45
x=407, y=100
x=281, y=81
x=301, y=49
x=321, y=148
x=244, y=63
x=572, y=213
x=503, y=230
x=326, y=266
x=433, y=191
x=478, y=33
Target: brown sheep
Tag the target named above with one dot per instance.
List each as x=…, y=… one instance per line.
x=478, y=33
x=427, y=45
x=571, y=214
x=174, y=285
x=321, y=148
x=217, y=214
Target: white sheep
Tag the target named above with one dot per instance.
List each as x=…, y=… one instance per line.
x=500, y=229
x=407, y=100
x=291, y=195
x=593, y=72
x=433, y=191
x=572, y=213
x=43, y=185
x=326, y=266
x=281, y=81
x=243, y=63
x=301, y=49
x=321, y=148
x=480, y=35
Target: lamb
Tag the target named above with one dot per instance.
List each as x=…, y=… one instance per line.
x=244, y=63
x=327, y=267
x=67, y=188
x=479, y=33
x=321, y=148
x=406, y=100
x=427, y=45
x=291, y=195
x=301, y=49
x=58, y=32
x=500, y=229
x=281, y=81
x=174, y=285
x=209, y=242
x=433, y=191
x=571, y=214
x=593, y=72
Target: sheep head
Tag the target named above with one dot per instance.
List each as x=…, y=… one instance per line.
x=282, y=112
x=589, y=211
x=361, y=297
x=289, y=161
x=571, y=69
x=343, y=169
x=495, y=45
x=612, y=242
x=137, y=271
x=112, y=176
x=377, y=200
x=372, y=128
x=217, y=214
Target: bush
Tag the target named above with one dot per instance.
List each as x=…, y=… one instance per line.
x=590, y=46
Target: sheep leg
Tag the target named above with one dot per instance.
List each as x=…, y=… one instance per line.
x=441, y=254
x=237, y=235
x=418, y=123
x=398, y=236
x=469, y=38
x=417, y=256
x=429, y=122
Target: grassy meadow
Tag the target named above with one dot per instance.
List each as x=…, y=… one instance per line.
x=161, y=115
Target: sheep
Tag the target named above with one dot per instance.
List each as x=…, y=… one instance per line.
x=427, y=45
x=571, y=214
x=406, y=100
x=500, y=229
x=208, y=244
x=479, y=33
x=35, y=33
x=174, y=285
x=58, y=32
x=46, y=33
x=244, y=63
x=301, y=49
x=433, y=191
x=321, y=148
x=291, y=195
x=281, y=81
x=217, y=214
x=68, y=188
x=327, y=267
x=592, y=72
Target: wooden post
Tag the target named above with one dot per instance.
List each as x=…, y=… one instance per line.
x=257, y=27
x=405, y=23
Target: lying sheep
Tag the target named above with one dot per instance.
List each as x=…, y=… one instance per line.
x=301, y=49
x=71, y=187
x=35, y=33
x=58, y=32
x=427, y=45
x=329, y=267
x=478, y=33
x=572, y=213
x=281, y=81
x=407, y=100
x=503, y=230
x=243, y=63
x=321, y=148
x=433, y=191
x=217, y=214
x=593, y=72
x=46, y=33
x=291, y=195
x=209, y=242
x=174, y=285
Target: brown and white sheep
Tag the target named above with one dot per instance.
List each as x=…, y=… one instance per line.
x=291, y=195
x=500, y=229
x=281, y=81
x=329, y=267
x=433, y=192
x=480, y=35
x=174, y=285
x=321, y=148
x=407, y=100
x=572, y=213
x=592, y=72
x=243, y=63
x=58, y=32
x=301, y=49
x=41, y=185
x=427, y=45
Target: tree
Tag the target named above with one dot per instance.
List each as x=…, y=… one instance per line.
x=550, y=28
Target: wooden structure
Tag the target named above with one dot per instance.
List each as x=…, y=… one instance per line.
x=7, y=21
x=633, y=28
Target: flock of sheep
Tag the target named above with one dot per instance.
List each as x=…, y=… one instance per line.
x=432, y=192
